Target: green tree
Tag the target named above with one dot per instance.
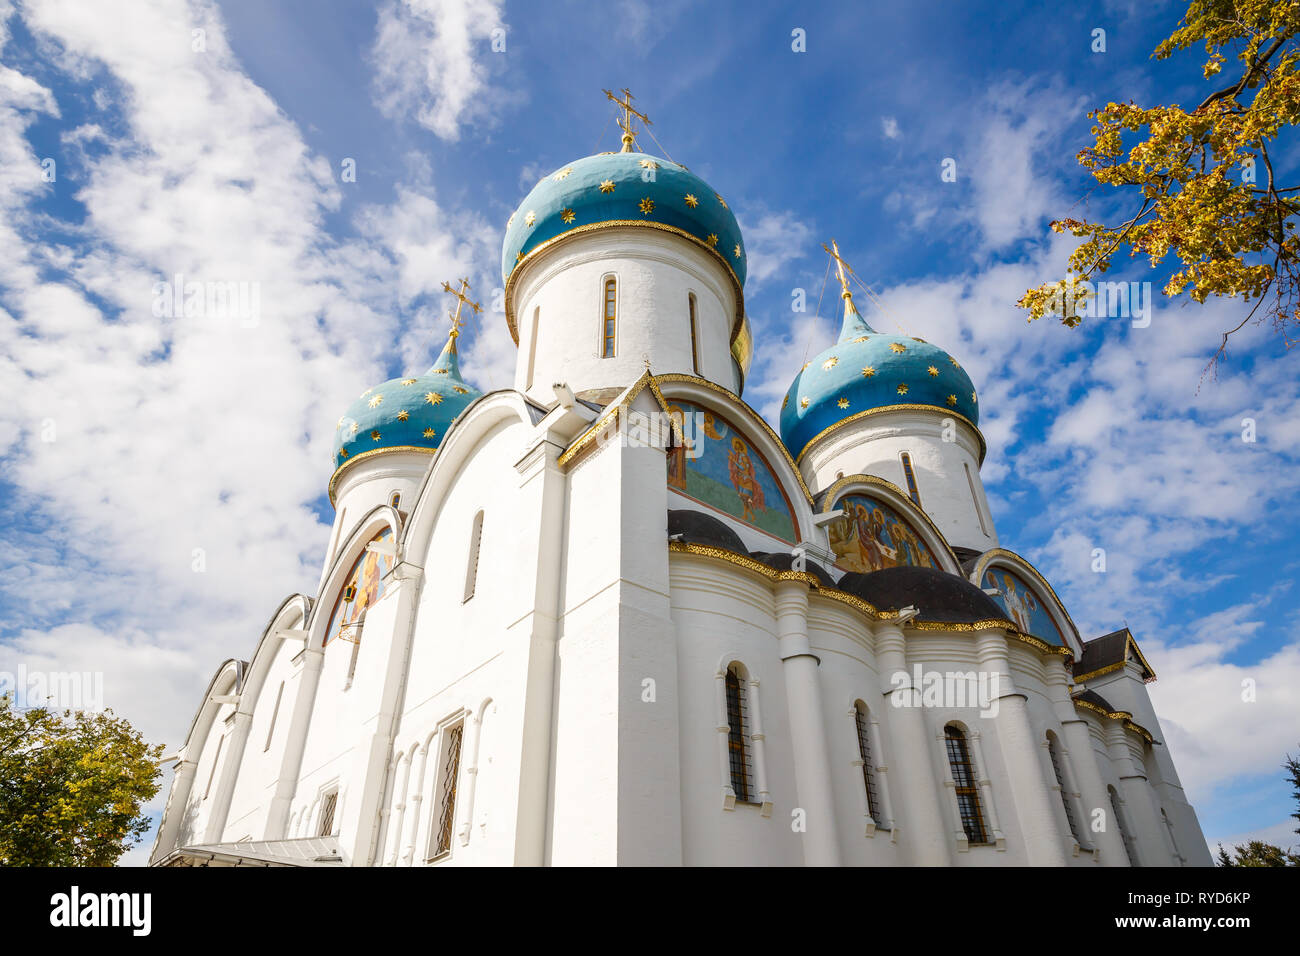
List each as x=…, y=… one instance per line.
x=1202, y=180
x=71, y=786
x=1259, y=853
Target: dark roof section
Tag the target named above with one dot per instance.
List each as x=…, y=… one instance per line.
x=966, y=557
x=1109, y=652
x=695, y=527
x=937, y=595
x=784, y=561
x=1092, y=697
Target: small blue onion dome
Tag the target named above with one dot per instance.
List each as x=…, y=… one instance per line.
x=627, y=187
x=868, y=370
x=405, y=412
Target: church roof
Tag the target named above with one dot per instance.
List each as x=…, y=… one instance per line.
x=1109, y=653
x=302, y=851
x=940, y=597
x=866, y=371
x=403, y=413
x=628, y=188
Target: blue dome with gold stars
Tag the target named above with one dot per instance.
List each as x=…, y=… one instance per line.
x=868, y=370
x=413, y=412
x=623, y=189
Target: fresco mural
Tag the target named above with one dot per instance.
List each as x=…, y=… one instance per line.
x=875, y=536
x=1023, y=606
x=363, y=587
x=722, y=471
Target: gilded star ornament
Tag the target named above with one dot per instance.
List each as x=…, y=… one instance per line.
x=366, y=392
x=831, y=362
x=803, y=403
x=691, y=201
x=563, y=173
x=861, y=338
x=459, y=390
x=343, y=453
x=897, y=347
x=712, y=240
x=868, y=371
x=429, y=433
x=952, y=400
x=375, y=401
x=922, y=341
x=784, y=402
x=932, y=370
x=519, y=256
x=530, y=217
x=354, y=428
x=408, y=381
x=433, y=398
x=647, y=205
x=973, y=398
x=954, y=362
x=375, y=435
x=902, y=389
x=736, y=251
x=567, y=215
x=649, y=164
x=403, y=415
x=843, y=403
x=511, y=221
x=607, y=186
x=721, y=200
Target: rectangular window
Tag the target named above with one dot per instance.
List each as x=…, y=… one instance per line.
x=910, y=478
x=967, y=787
x=864, y=751
x=695, y=336
x=610, y=319
x=738, y=747
x=275, y=712
x=327, y=813
x=532, y=347
x=445, y=811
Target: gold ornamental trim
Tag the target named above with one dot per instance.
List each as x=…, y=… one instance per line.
x=1121, y=715
x=894, y=408
x=611, y=412
x=338, y=472
x=511, y=280
x=988, y=557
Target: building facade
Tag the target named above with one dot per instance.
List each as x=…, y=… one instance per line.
x=610, y=616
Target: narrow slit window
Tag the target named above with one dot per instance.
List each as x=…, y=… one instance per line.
x=695, y=335
x=532, y=346
x=610, y=321
x=395, y=501
x=1052, y=751
x=212, y=774
x=975, y=498
x=966, y=785
x=327, y=813
x=911, y=478
x=864, y=751
x=738, y=744
x=449, y=771
x=275, y=713
x=471, y=571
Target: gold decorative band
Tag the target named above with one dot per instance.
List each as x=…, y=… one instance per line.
x=947, y=413
x=338, y=472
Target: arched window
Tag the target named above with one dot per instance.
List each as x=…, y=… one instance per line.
x=738, y=745
x=864, y=751
x=395, y=501
x=471, y=571
x=1129, y=849
x=532, y=347
x=910, y=477
x=695, y=334
x=444, y=820
x=1053, y=751
x=609, y=323
x=966, y=785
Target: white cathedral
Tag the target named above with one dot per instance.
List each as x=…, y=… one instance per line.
x=609, y=616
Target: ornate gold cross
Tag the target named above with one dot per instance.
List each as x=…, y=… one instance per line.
x=625, y=124
x=461, y=300
x=834, y=251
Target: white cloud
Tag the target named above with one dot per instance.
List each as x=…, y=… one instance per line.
x=430, y=62
x=889, y=126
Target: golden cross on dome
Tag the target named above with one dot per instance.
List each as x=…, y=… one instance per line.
x=625, y=124
x=834, y=252
x=461, y=300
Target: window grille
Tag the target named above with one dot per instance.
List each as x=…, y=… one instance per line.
x=910, y=475
x=447, y=789
x=610, y=318
x=738, y=745
x=967, y=786
x=864, y=751
x=327, y=813
x=1060, y=782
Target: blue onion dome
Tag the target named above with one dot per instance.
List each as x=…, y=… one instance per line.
x=868, y=370
x=627, y=188
x=405, y=413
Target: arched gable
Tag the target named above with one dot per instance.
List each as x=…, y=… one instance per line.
x=292, y=613
x=884, y=528
x=381, y=523
x=736, y=464
x=1027, y=598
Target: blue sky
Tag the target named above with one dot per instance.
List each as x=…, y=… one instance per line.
x=176, y=435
